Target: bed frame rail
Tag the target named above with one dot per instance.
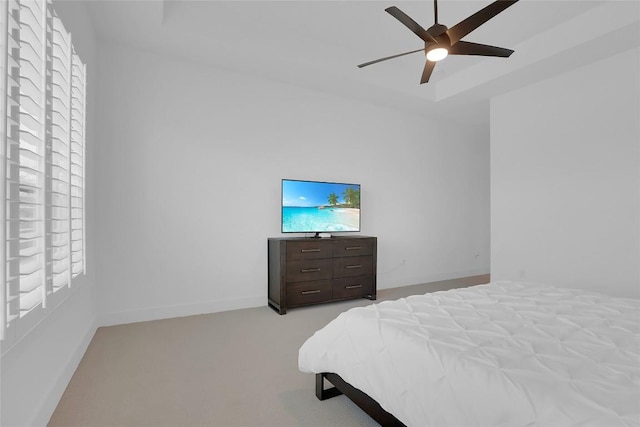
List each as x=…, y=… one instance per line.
x=366, y=403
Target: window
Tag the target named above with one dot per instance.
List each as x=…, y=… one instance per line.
x=42, y=163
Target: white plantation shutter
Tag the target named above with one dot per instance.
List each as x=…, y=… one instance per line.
x=59, y=185
x=77, y=168
x=9, y=122
x=43, y=99
x=29, y=225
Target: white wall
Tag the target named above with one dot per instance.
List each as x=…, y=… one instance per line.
x=35, y=372
x=191, y=159
x=565, y=179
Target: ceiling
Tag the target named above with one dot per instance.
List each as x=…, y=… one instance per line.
x=317, y=44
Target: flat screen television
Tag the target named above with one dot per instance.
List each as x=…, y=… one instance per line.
x=320, y=207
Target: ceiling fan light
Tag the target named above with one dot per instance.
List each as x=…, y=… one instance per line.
x=437, y=54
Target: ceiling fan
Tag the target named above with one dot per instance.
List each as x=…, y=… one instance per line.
x=440, y=41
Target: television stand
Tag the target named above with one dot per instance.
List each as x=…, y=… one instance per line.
x=319, y=235
x=305, y=271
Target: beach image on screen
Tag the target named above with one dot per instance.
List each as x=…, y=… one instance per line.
x=320, y=207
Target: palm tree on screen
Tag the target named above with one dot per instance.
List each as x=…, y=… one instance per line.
x=352, y=197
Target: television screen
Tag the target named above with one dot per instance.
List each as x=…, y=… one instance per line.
x=319, y=207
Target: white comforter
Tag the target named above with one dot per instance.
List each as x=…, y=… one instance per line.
x=502, y=354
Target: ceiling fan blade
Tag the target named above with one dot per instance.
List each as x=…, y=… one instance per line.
x=468, y=48
x=410, y=23
x=426, y=73
x=466, y=26
x=389, y=57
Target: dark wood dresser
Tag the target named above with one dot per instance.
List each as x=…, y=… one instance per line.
x=304, y=271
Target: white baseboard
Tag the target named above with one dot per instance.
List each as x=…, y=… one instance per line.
x=430, y=278
x=42, y=417
x=167, y=312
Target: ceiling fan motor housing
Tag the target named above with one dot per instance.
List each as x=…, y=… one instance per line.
x=439, y=33
x=438, y=30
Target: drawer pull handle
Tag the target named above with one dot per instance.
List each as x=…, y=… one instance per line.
x=304, y=251
x=353, y=266
x=353, y=248
x=309, y=270
x=353, y=286
x=315, y=291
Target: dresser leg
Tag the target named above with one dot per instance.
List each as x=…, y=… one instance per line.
x=277, y=308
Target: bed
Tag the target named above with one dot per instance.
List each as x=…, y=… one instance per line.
x=500, y=354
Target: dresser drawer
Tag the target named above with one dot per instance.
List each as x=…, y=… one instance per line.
x=353, y=266
x=309, y=249
x=353, y=247
x=352, y=287
x=309, y=269
x=309, y=292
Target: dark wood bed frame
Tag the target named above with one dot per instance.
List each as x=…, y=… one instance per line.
x=365, y=402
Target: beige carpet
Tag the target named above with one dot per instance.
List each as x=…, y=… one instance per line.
x=235, y=368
